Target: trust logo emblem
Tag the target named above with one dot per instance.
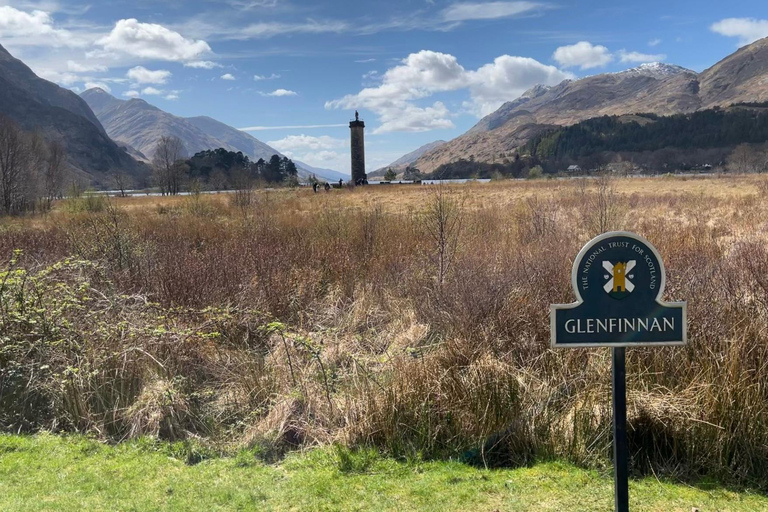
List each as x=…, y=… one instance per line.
x=619, y=278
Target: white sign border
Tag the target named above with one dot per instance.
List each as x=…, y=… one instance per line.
x=579, y=300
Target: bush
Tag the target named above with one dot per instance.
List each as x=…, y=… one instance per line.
x=315, y=320
x=535, y=172
x=91, y=203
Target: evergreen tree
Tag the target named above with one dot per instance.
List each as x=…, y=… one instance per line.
x=273, y=171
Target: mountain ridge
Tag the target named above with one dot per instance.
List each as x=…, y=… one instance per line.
x=654, y=88
x=36, y=104
x=408, y=158
x=139, y=125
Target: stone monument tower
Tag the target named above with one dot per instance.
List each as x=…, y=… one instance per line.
x=357, y=146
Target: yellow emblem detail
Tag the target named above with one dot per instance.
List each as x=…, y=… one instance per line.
x=619, y=275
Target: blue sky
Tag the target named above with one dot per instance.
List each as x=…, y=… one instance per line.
x=293, y=72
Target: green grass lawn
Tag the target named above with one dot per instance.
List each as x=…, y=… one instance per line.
x=54, y=473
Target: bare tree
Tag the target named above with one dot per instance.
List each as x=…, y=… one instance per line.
x=54, y=170
x=602, y=209
x=121, y=181
x=168, y=172
x=243, y=183
x=443, y=223
x=744, y=158
x=14, y=163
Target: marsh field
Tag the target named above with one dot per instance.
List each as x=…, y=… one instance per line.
x=411, y=320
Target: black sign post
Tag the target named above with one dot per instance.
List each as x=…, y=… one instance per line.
x=618, y=279
x=620, y=451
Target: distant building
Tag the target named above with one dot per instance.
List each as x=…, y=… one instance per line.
x=574, y=168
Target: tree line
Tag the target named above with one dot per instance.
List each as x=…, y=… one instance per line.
x=32, y=170
x=733, y=138
x=217, y=169
x=706, y=129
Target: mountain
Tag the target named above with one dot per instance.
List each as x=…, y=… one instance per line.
x=404, y=161
x=319, y=172
x=656, y=88
x=741, y=77
x=140, y=125
x=253, y=146
x=59, y=114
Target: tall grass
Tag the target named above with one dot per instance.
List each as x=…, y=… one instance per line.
x=293, y=319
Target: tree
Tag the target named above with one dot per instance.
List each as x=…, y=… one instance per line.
x=273, y=170
x=121, y=181
x=165, y=163
x=535, y=172
x=54, y=170
x=390, y=175
x=412, y=173
x=19, y=152
x=261, y=166
x=290, y=168
x=744, y=158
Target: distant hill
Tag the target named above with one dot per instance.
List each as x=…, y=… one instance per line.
x=140, y=125
x=59, y=114
x=661, y=89
x=404, y=161
x=323, y=174
x=704, y=129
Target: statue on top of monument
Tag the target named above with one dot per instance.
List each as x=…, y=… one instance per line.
x=357, y=116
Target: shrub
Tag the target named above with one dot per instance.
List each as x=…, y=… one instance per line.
x=331, y=319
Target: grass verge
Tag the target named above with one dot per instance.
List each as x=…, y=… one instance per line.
x=47, y=472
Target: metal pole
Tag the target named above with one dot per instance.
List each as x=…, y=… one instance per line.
x=620, y=451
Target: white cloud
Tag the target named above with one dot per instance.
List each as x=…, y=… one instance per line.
x=280, y=92
x=258, y=78
x=324, y=156
x=151, y=91
x=371, y=75
x=271, y=29
x=748, y=30
x=487, y=10
x=582, y=54
x=172, y=96
x=305, y=142
x=152, y=41
x=228, y=76
x=290, y=127
x=85, y=68
x=202, y=64
x=654, y=42
x=365, y=60
x=132, y=94
x=100, y=85
x=427, y=72
x=142, y=75
x=507, y=78
x=412, y=118
x=625, y=56
x=65, y=79
x=247, y=5
x=33, y=28
x=448, y=18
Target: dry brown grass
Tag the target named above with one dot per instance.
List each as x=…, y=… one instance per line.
x=314, y=318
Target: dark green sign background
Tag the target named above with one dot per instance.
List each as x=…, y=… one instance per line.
x=618, y=279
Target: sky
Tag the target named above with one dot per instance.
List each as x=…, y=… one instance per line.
x=292, y=72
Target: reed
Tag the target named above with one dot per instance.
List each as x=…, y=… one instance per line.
x=410, y=319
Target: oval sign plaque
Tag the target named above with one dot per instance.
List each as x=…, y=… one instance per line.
x=618, y=279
